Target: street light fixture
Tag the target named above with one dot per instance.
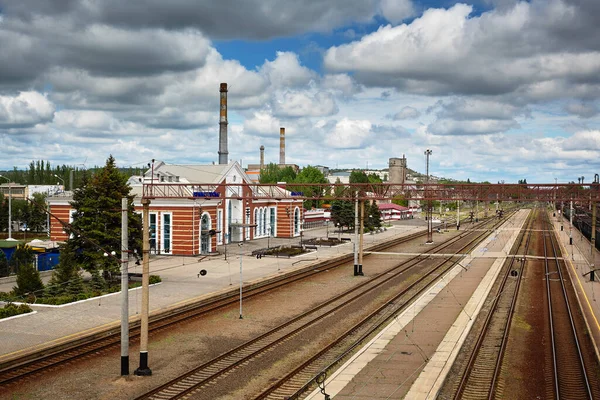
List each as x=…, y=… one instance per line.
x=9, y=207
x=62, y=180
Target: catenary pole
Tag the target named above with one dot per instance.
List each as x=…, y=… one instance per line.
x=362, y=233
x=143, y=369
x=356, y=234
x=124, y=289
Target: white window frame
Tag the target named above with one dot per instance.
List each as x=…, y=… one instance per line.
x=256, y=223
x=220, y=226
x=209, y=228
x=162, y=232
x=274, y=227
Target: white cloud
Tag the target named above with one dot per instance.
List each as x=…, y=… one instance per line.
x=85, y=120
x=340, y=82
x=473, y=127
x=584, y=140
x=302, y=104
x=407, y=113
x=286, y=71
x=262, y=124
x=583, y=110
x=349, y=134
x=513, y=49
x=397, y=10
x=26, y=109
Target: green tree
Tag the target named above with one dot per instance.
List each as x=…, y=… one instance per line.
x=66, y=275
x=23, y=256
x=96, y=225
x=37, y=212
x=28, y=281
x=310, y=175
x=273, y=173
x=342, y=213
x=3, y=213
x=4, y=270
x=358, y=176
x=374, y=220
x=400, y=200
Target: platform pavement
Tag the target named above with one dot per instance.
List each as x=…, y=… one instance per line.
x=580, y=257
x=357, y=380
x=180, y=283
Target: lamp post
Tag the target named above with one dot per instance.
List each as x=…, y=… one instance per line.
x=62, y=180
x=9, y=207
x=428, y=214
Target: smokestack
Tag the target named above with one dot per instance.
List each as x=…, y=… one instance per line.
x=282, y=146
x=223, y=153
x=262, y=157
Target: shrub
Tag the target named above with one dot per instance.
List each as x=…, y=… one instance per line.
x=155, y=279
x=4, y=269
x=28, y=281
x=11, y=310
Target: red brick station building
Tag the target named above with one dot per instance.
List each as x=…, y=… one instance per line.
x=181, y=226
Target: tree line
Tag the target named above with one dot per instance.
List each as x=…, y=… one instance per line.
x=40, y=172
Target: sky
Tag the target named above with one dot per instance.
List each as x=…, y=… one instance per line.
x=497, y=89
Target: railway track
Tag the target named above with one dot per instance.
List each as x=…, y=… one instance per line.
x=481, y=373
x=208, y=375
x=571, y=377
x=556, y=359
x=14, y=370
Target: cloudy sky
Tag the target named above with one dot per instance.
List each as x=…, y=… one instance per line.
x=498, y=89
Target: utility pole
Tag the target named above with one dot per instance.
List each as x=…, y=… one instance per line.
x=457, y=214
x=143, y=369
x=241, y=279
x=356, y=234
x=594, y=188
x=428, y=213
x=9, y=207
x=124, y=289
x=362, y=233
x=571, y=227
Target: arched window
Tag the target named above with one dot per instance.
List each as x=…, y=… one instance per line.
x=297, y=221
x=256, y=222
x=264, y=222
x=205, y=226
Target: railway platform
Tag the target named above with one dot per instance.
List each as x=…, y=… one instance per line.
x=181, y=282
x=412, y=355
x=400, y=362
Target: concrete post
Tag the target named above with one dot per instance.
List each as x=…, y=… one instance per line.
x=356, y=235
x=593, y=238
x=362, y=233
x=571, y=226
x=124, y=289
x=143, y=369
x=457, y=214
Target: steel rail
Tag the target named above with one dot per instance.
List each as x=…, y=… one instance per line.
x=571, y=321
x=483, y=334
x=14, y=370
x=196, y=378
x=307, y=364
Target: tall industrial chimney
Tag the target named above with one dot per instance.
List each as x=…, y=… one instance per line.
x=262, y=157
x=223, y=153
x=282, y=146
